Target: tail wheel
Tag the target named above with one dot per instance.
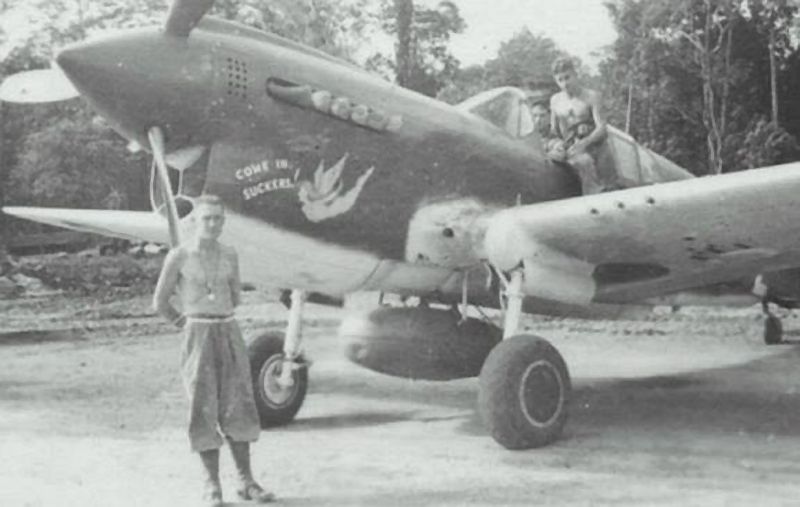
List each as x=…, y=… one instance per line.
x=277, y=405
x=524, y=392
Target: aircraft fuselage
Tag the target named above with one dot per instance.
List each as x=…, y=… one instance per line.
x=353, y=174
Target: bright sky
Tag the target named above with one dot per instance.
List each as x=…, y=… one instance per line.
x=580, y=27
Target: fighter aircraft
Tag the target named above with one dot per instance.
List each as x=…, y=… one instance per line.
x=338, y=182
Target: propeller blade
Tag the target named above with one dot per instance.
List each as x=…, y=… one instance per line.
x=185, y=14
x=37, y=86
x=156, y=137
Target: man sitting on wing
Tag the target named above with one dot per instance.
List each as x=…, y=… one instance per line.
x=577, y=119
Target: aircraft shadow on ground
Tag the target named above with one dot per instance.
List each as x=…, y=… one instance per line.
x=362, y=420
x=450, y=394
x=714, y=401
x=9, y=389
x=33, y=337
x=348, y=420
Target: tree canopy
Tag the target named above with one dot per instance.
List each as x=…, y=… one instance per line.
x=524, y=61
x=422, y=60
x=699, y=77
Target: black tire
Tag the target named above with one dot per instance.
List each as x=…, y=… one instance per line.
x=524, y=392
x=773, y=330
x=276, y=406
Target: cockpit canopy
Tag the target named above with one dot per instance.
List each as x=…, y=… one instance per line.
x=621, y=161
x=505, y=107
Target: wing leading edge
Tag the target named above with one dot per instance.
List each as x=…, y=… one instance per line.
x=632, y=244
x=134, y=225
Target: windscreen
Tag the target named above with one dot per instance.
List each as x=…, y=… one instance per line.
x=506, y=108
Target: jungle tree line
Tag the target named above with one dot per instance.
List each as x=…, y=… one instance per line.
x=711, y=84
x=708, y=83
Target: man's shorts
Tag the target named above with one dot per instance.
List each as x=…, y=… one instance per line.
x=216, y=374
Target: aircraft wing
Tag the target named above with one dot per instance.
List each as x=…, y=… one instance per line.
x=134, y=225
x=632, y=244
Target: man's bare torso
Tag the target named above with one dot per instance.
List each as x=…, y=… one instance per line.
x=571, y=111
x=206, y=280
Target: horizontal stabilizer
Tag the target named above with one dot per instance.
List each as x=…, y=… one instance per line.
x=132, y=225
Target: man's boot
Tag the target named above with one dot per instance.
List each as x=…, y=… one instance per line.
x=250, y=489
x=212, y=496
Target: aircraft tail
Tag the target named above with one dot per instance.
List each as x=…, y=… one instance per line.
x=132, y=225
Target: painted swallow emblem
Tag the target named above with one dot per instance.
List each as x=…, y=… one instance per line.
x=324, y=197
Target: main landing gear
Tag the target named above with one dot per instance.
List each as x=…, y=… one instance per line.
x=524, y=383
x=278, y=369
x=773, y=328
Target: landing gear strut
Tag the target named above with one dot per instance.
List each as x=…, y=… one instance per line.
x=773, y=328
x=524, y=383
x=279, y=373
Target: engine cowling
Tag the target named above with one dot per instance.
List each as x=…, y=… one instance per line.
x=418, y=343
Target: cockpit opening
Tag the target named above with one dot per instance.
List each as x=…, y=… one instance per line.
x=621, y=161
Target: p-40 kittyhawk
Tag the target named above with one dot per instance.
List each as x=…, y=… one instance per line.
x=338, y=182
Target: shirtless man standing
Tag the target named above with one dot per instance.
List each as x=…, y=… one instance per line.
x=578, y=120
x=214, y=362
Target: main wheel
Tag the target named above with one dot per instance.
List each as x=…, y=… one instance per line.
x=277, y=405
x=773, y=330
x=524, y=392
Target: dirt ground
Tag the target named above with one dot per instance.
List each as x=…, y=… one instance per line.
x=673, y=409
